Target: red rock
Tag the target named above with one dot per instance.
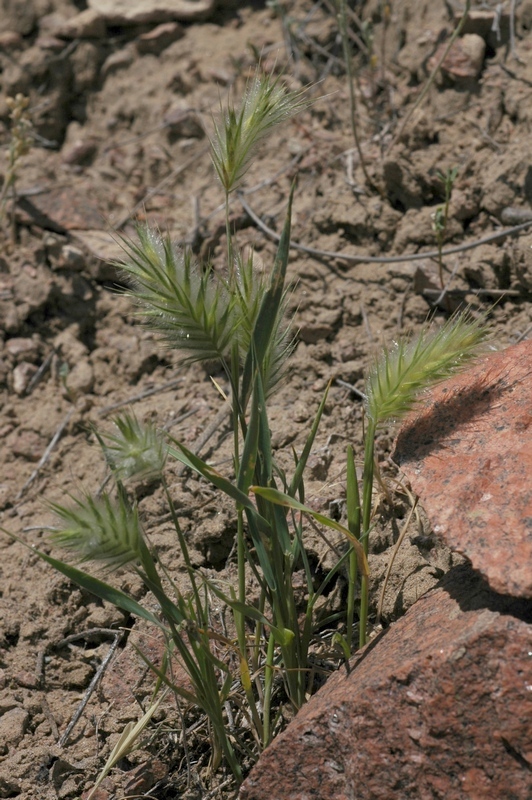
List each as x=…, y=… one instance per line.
x=438, y=707
x=468, y=455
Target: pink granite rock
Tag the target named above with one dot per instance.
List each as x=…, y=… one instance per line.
x=438, y=707
x=468, y=455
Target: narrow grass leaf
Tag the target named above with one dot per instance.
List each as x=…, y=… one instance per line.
x=282, y=636
x=303, y=458
x=275, y=496
x=267, y=318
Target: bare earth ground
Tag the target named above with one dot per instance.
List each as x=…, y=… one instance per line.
x=124, y=131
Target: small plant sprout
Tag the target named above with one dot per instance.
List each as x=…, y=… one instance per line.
x=19, y=146
x=441, y=215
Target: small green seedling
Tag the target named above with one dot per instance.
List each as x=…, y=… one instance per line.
x=441, y=215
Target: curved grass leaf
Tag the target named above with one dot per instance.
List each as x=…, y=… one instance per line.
x=275, y=496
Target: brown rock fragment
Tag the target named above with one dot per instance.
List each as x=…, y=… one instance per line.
x=465, y=58
x=437, y=707
x=137, y=12
x=22, y=375
x=158, y=39
x=468, y=454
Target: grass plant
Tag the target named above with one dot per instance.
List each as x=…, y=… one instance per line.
x=394, y=385
x=238, y=319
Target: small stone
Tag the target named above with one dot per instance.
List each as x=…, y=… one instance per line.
x=51, y=43
x=63, y=209
x=27, y=444
x=122, y=59
x=464, y=205
x=69, y=345
x=11, y=40
x=323, y=326
x=13, y=726
x=22, y=375
x=29, y=680
x=21, y=347
x=81, y=152
x=72, y=258
x=88, y=24
x=158, y=39
x=80, y=380
x=102, y=251
x=33, y=286
x=183, y=122
x=138, y=12
x=465, y=58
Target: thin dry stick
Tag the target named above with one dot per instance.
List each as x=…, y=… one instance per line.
x=137, y=397
x=493, y=237
x=342, y=24
x=392, y=559
x=209, y=431
x=92, y=686
x=432, y=76
x=436, y=295
x=513, y=50
x=157, y=188
x=40, y=372
x=351, y=388
x=47, y=452
x=524, y=334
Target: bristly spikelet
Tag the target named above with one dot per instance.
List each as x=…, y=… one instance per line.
x=265, y=104
x=136, y=450
x=403, y=372
x=190, y=306
x=100, y=529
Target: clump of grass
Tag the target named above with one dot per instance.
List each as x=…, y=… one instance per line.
x=240, y=321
